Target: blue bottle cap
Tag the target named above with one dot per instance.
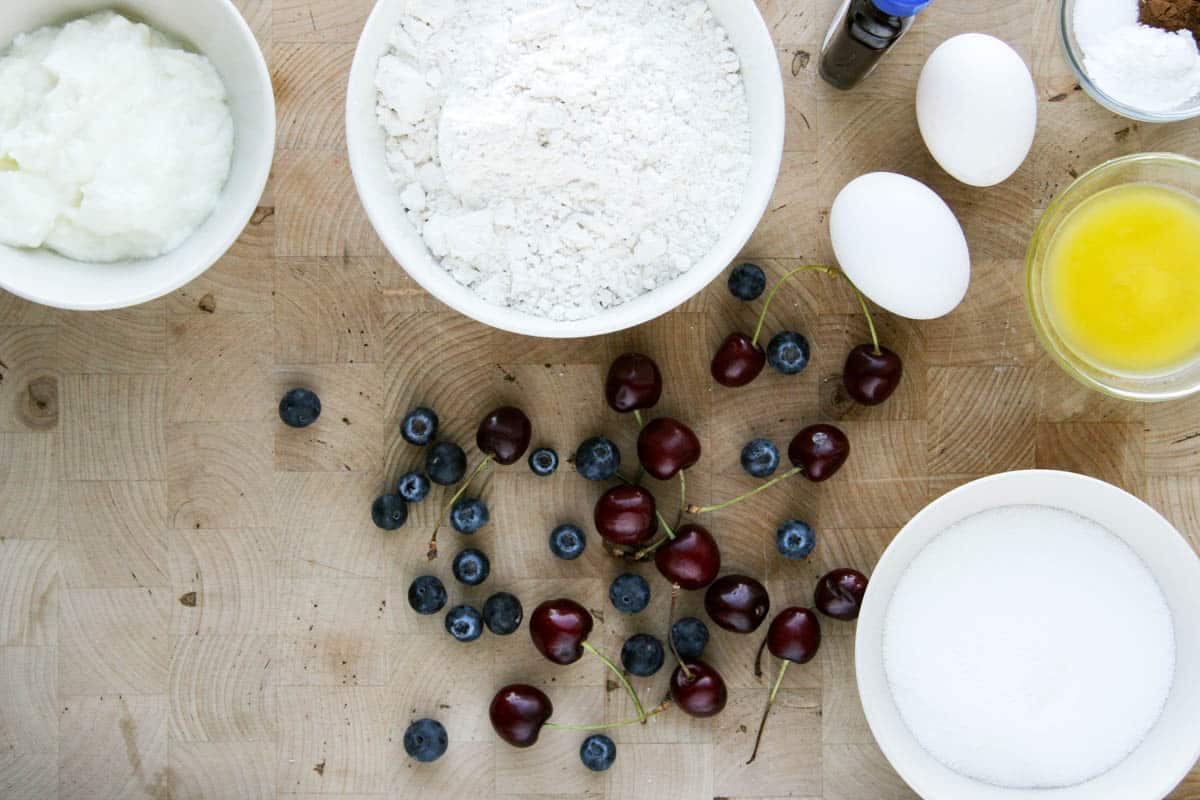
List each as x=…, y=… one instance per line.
x=902, y=8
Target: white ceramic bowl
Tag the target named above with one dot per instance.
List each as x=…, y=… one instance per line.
x=764, y=91
x=216, y=29
x=1170, y=749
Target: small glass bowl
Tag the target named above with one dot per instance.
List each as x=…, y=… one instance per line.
x=1164, y=169
x=1074, y=55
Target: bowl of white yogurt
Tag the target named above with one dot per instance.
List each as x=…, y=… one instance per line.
x=1034, y=634
x=565, y=168
x=135, y=144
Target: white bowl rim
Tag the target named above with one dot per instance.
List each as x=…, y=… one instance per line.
x=219, y=246
x=873, y=611
x=441, y=285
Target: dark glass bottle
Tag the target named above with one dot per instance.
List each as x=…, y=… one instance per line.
x=862, y=32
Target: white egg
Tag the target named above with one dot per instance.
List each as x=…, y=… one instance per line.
x=901, y=245
x=977, y=108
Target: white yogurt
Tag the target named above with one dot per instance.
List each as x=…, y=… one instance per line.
x=115, y=142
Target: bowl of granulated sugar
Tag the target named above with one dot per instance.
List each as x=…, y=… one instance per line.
x=1033, y=635
x=565, y=168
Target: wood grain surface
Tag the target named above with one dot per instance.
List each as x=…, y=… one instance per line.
x=195, y=604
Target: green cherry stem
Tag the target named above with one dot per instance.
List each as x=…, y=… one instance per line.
x=637, y=704
x=767, y=711
x=862, y=303
x=762, y=315
x=637, y=416
x=654, y=712
x=778, y=479
x=433, y=549
x=835, y=273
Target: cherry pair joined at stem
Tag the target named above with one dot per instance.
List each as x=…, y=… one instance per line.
x=560, y=629
x=871, y=372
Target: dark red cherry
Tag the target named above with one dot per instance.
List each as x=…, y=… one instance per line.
x=559, y=628
x=666, y=446
x=839, y=593
x=794, y=635
x=518, y=712
x=738, y=361
x=870, y=377
x=820, y=450
x=703, y=694
x=691, y=560
x=737, y=603
x=633, y=383
x=625, y=515
x=504, y=435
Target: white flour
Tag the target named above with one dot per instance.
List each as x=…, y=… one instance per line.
x=565, y=157
x=1147, y=68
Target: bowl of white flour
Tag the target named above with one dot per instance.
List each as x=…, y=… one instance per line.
x=565, y=168
x=135, y=144
x=1034, y=634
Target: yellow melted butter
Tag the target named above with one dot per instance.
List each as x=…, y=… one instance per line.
x=1122, y=279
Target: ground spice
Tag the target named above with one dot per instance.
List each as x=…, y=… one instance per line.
x=1171, y=15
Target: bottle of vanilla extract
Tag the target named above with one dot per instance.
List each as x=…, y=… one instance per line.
x=861, y=33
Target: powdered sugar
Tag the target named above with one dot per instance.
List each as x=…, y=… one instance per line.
x=1146, y=68
x=562, y=157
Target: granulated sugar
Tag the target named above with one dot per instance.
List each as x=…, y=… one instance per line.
x=1029, y=647
x=565, y=157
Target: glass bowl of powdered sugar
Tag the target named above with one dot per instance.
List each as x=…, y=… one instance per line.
x=1137, y=58
x=1034, y=634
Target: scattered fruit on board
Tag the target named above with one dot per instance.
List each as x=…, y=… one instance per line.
x=633, y=528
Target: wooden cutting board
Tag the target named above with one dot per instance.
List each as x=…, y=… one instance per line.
x=193, y=600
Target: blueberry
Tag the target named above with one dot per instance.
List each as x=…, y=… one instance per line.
x=471, y=566
x=502, y=613
x=598, y=752
x=427, y=595
x=419, y=426
x=597, y=459
x=567, y=542
x=469, y=515
x=690, y=636
x=795, y=539
x=543, y=462
x=389, y=511
x=446, y=464
x=787, y=352
x=760, y=458
x=464, y=623
x=747, y=281
x=425, y=740
x=299, y=408
x=629, y=593
x=413, y=487
x=642, y=655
